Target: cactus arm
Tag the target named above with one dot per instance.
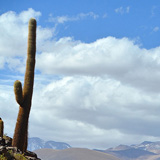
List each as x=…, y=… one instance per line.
x=18, y=92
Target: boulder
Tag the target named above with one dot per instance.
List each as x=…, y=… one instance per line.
x=10, y=152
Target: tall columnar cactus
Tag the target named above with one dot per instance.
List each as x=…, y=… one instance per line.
x=1, y=128
x=24, y=96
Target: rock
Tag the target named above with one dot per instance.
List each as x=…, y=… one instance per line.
x=8, y=141
x=32, y=158
x=30, y=154
x=2, y=148
x=2, y=141
x=10, y=152
x=14, y=149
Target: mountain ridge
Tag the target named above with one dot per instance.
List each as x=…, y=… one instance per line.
x=36, y=143
x=146, y=150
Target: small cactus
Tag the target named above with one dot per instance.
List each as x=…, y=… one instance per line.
x=1, y=128
x=24, y=96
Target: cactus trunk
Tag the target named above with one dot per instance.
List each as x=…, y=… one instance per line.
x=1, y=128
x=24, y=96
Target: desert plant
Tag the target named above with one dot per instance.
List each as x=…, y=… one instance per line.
x=10, y=155
x=19, y=156
x=1, y=128
x=5, y=136
x=2, y=157
x=24, y=96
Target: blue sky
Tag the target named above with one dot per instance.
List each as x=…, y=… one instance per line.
x=97, y=69
x=113, y=19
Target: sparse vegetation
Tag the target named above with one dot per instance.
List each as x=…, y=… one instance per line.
x=12, y=156
x=19, y=157
x=2, y=157
x=6, y=137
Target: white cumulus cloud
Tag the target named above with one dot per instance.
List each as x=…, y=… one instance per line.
x=122, y=10
x=14, y=32
x=101, y=89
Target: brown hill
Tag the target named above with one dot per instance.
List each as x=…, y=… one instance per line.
x=155, y=157
x=73, y=154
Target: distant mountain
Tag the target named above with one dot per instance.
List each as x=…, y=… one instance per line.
x=37, y=143
x=120, y=147
x=73, y=154
x=148, y=146
x=63, y=151
x=130, y=153
x=144, y=151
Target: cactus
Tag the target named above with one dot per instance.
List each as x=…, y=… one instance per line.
x=1, y=128
x=24, y=96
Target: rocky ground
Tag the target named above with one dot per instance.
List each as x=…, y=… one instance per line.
x=7, y=152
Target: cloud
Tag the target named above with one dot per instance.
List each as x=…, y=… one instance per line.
x=155, y=29
x=101, y=58
x=127, y=9
x=10, y=21
x=153, y=11
x=110, y=80
x=26, y=15
x=105, y=15
x=13, y=41
x=2, y=61
x=122, y=10
x=101, y=89
x=63, y=19
x=8, y=107
x=97, y=107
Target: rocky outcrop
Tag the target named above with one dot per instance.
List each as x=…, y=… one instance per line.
x=13, y=153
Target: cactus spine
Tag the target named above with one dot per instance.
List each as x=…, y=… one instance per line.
x=1, y=128
x=24, y=96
